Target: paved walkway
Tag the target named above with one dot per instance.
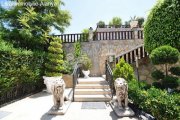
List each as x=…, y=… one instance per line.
x=36, y=107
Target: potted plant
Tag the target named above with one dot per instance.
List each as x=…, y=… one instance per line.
x=54, y=63
x=86, y=65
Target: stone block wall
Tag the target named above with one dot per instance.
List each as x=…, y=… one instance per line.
x=146, y=68
x=98, y=51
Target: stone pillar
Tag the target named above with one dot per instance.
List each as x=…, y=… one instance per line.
x=134, y=26
x=90, y=38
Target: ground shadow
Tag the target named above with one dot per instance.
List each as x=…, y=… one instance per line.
x=46, y=116
x=115, y=117
x=40, y=94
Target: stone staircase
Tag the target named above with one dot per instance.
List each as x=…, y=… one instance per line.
x=92, y=89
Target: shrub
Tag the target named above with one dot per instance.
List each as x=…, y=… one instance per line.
x=162, y=25
x=159, y=103
x=19, y=67
x=164, y=55
x=86, y=62
x=123, y=70
x=157, y=85
x=116, y=21
x=77, y=49
x=101, y=24
x=68, y=67
x=54, y=63
x=175, y=70
x=157, y=74
x=170, y=82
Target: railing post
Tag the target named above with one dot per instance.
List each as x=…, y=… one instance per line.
x=90, y=37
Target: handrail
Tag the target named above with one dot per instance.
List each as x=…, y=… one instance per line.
x=109, y=78
x=130, y=56
x=114, y=35
x=76, y=73
x=113, y=26
x=71, y=38
x=124, y=34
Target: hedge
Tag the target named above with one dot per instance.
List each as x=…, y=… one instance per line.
x=162, y=25
x=19, y=66
x=159, y=103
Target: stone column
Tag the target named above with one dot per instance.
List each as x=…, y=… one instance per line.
x=90, y=37
x=135, y=31
x=134, y=26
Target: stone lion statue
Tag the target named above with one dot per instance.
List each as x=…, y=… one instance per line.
x=58, y=89
x=121, y=88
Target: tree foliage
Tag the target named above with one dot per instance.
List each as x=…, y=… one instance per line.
x=162, y=25
x=29, y=26
x=116, y=21
x=123, y=70
x=54, y=64
x=164, y=55
x=140, y=21
x=101, y=24
x=77, y=50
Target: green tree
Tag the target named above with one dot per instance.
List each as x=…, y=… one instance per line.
x=85, y=35
x=127, y=23
x=101, y=24
x=162, y=25
x=29, y=26
x=123, y=70
x=164, y=55
x=140, y=21
x=54, y=64
x=77, y=50
x=116, y=21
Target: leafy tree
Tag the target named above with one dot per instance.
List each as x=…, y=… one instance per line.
x=116, y=21
x=77, y=50
x=85, y=34
x=127, y=23
x=123, y=70
x=175, y=70
x=140, y=21
x=162, y=25
x=157, y=75
x=164, y=55
x=54, y=64
x=29, y=26
x=101, y=24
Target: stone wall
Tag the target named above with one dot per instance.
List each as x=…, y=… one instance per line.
x=99, y=51
x=146, y=68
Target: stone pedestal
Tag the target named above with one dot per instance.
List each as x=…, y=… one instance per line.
x=124, y=112
x=60, y=111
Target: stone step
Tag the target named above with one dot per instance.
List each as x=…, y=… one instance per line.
x=92, y=86
x=92, y=80
x=92, y=98
x=92, y=91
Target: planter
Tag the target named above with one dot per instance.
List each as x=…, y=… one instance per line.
x=68, y=79
x=86, y=73
x=48, y=81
